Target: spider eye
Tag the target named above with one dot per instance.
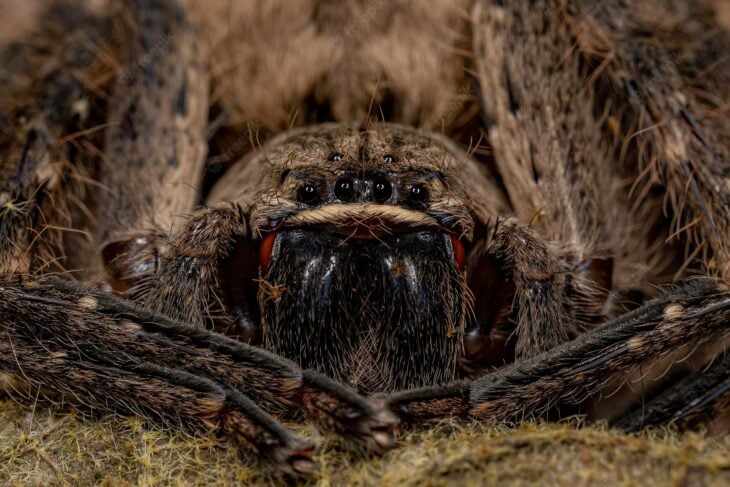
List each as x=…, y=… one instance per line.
x=308, y=194
x=345, y=189
x=337, y=157
x=382, y=189
x=417, y=194
x=389, y=158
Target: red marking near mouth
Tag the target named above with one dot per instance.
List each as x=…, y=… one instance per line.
x=459, y=252
x=265, y=250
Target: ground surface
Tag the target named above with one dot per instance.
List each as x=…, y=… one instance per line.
x=50, y=446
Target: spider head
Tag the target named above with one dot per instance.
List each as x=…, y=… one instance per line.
x=361, y=237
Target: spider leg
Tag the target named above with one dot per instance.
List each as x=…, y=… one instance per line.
x=570, y=194
x=110, y=329
x=705, y=394
x=648, y=111
x=155, y=143
x=668, y=96
x=152, y=168
x=44, y=109
x=155, y=392
x=570, y=373
x=58, y=327
x=512, y=254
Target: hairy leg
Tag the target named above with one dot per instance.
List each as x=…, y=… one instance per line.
x=668, y=99
x=154, y=148
x=518, y=288
x=705, y=394
x=577, y=369
x=44, y=106
x=533, y=95
x=576, y=194
x=550, y=148
x=57, y=336
x=154, y=154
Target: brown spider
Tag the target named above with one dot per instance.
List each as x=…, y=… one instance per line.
x=512, y=279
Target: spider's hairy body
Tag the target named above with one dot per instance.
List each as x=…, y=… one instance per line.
x=530, y=187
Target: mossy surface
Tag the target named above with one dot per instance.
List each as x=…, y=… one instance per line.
x=46, y=445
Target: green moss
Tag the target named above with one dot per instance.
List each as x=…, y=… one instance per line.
x=47, y=445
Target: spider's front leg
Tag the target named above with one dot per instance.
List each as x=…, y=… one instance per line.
x=111, y=355
x=691, y=314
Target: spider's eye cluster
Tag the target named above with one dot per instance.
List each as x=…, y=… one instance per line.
x=377, y=188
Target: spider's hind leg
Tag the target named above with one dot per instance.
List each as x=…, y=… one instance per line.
x=701, y=398
x=49, y=119
x=667, y=96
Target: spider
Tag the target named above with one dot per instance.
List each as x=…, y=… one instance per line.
x=370, y=213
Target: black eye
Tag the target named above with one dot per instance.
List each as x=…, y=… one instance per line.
x=389, y=158
x=308, y=194
x=382, y=189
x=337, y=157
x=418, y=194
x=345, y=189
